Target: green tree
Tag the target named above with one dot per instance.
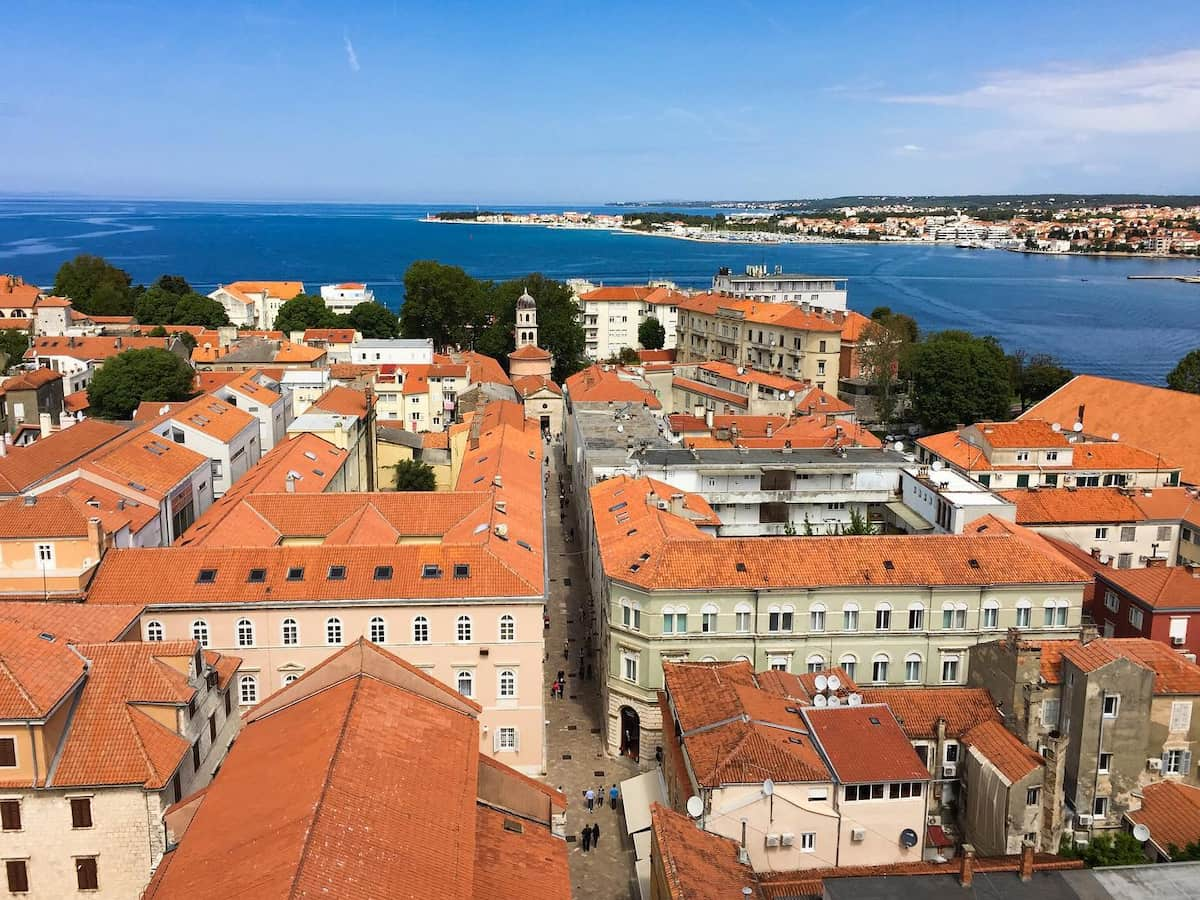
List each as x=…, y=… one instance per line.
x=306, y=311
x=155, y=306
x=881, y=349
x=859, y=524
x=173, y=284
x=187, y=339
x=1186, y=374
x=128, y=378
x=651, y=334
x=1119, y=849
x=444, y=304
x=1190, y=853
x=157, y=331
x=373, y=320
x=958, y=377
x=195, y=309
x=94, y=286
x=414, y=475
x=559, y=330
x=904, y=325
x=1036, y=377
x=626, y=356
x=13, y=344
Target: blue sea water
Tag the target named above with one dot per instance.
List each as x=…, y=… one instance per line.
x=1081, y=309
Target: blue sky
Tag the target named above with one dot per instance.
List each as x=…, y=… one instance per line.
x=589, y=102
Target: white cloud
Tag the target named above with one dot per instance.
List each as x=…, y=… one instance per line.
x=1154, y=95
x=351, y=56
x=911, y=148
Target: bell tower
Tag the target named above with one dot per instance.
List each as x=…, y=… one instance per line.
x=527, y=329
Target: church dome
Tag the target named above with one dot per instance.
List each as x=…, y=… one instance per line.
x=525, y=301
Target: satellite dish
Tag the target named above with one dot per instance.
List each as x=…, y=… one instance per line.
x=768, y=788
x=1116, y=436
x=791, y=394
x=908, y=838
x=833, y=682
x=854, y=700
x=898, y=446
x=936, y=465
x=1077, y=427
x=695, y=806
x=621, y=429
x=821, y=682
x=835, y=700
x=1141, y=833
x=1056, y=428
x=820, y=700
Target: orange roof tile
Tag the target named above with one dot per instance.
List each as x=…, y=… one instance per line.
x=707, y=390
x=330, y=335
x=24, y=467
x=1171, y=811
x=93, y=348
x=342, y=401
x=77, y=402
x=531, y=384
x=608, y=384
x=529, y=351
x=512, y=866
x=1172, y=673
x=75, y=623
x=1057, y=506
x=483, y=369
x=214, y=417
x=1004, y=750
x=954, y=447
x=247, y=385
x=696, y=864
x=782, y=315
x=35, y=672
x=30, y=381
x=15, y=292
x=298, y=353
x=815, y=401
x=745, y=375
x=627, y=292
x=144, y=461
x=114, y=510
x=919, y=709
x=854, y=325
x=844, y=731
x=1155, y=587
x=29, y=518
x=284, y=290
x=1023, y=433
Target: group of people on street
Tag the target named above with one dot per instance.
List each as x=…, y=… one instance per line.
x=590, y=836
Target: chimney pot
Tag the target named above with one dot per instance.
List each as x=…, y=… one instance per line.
x=1026, y=861
x=966, y=870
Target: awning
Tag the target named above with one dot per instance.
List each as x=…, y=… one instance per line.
x=908, y=517
x=937, y=837
x=641, y=845
x=642, y=867
x=637, y=794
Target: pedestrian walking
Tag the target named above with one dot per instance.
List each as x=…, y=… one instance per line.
x=566, y=650
x=562, y=676
x=587, y=838
x=613, y=794
x=590, y=796
x=546, y=619
x=596, y=835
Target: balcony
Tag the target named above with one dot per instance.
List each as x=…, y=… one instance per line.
x=818, y=495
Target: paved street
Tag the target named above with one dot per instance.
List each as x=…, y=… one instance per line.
x=576, y=757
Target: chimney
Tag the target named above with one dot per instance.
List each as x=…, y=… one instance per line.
x=46, y=424
x=966, y=870
x=677, y=504
x=1026, y=861
x=1088, y=633
x=290, y=484
x=708, y=418
x=96, y=535
x=1156, y=562
x=1082, y=407
x=1095, y=551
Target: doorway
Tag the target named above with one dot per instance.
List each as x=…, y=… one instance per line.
x=630, y=733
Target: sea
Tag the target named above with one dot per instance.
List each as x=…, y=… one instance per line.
x=1082, y=310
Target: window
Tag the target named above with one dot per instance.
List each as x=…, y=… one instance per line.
x=779, y=663
x=1181, y=716
x=1022, y=456
x=1128, y=532
x=1051, y=456
x=816, y=618
x=849, y=663
x=1056, y=613
x=1100, y=807
x=883, y=617
x=954, y=616
x=506, y=739
x=295, y=573
x=45, y=555
x=708, y=619
x=256, y=576
x=1050, y=709
x=1176, y=762
x=333, y=631
x=465, y=682
x=916, y=617
x=808, y=841
x=462, y=630
x=1105, y=764
x=741, y=618
x=629, y=666
x=212, y=728
x=10, y=815
x=245, y=633
x=508, y=628
x=420, y=630
x=86, y=877
x=1024, y=613
x=200, y=632
x=1101, y=534
x=289, y=678
x=879, y=668
x=377, y=630
x=508, y=683
x=991, y=614
x=1164, y=533
x=247, y=690
x=949, y=669
x=1111, y=601
x=1031, y=796
x=1124, y=560
x=779, y=618
x=1112, y=703
x=290, y=632
x=154, y=631
x=431, y=570
x=816, y=663
x=18, y=875
x=951, y=752
x=383, y=573
x=196, y=756
x=631, y=615
x=336, y=573
x=206, y=576
x=912, y=668
x=1135, y=617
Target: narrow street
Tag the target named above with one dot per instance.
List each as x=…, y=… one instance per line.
x=576, y=759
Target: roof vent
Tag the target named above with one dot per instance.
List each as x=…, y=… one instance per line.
x=501, y=506
x=889, y=565
x=502, y=531
x=514, y=826
x=30, y=500
x=741, y=566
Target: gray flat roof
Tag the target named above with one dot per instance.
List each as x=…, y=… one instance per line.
x=676, y=455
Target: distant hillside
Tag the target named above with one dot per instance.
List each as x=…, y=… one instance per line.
x=933, y=201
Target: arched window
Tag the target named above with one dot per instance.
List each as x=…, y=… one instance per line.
x=420, y=630
x=741, y=659
x=245, y=633
x=991, y=614
x=508, y=628
x=708, y=618
x=1057, y=612
x=916, y=616
x=377, y=630
x=508, y=683
x=816, y=617
x=954, y=615
x=290, y=631
x=674, y=620
x=708, y=659
x=463, y=629
x=333, y=631
x=248, y=689
x=883, y=617
x=779, y=618
x=289, y=678
x=154, y=631
x=631, y=614
x=1024, y=613
x=912, y=668
x=465, y=682
x=850, y=617
x=848, y=663
x=816, y=663
x=879, y=668
x=741, y=618
x=200, y=632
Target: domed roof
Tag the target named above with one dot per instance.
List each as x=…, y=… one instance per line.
x=529, y=351
x=525, y=301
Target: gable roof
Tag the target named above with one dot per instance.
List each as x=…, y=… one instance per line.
x=30, y=381
x=24, y=467
x=284, y=290
x=696, y=864
x=1171, y=811
x=1172, y=673
x=919, y=709
x=1004, y=750
x=610, y=384
x=342, y=401
x=844, y=731
x=86, y=349
x=1046, y=506
x=28, y=518
x=781, y=315
x=35, y=672
x=1158, y=588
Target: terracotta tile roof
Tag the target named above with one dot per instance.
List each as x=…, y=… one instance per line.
x=247, y=385
x=75, y=623
x=330, y=335
x=284, y=290
x=1161, y=588
x=207, y=382
x=342, y=401
x=844, y=731
x=1114, y=455
x=146, y=462
x=608, y=384
x=1172, y=673
x=531, y=384
x=745, y=375
x=482, y=368
x=918, y=709
x=854, y=325
x=352, y=371
x=708, y=390
x=816, y=401
x=18, y=324
x=110, y=739
x=24, y=467
x=697, y=865
x=1046, y=506
x=529, y=351
x=92, y=348
x=225, y=666
x=627, y=292
x=214, y=417
x=57, y=302
x=35, y=672
x=77, y=402
x=298, y=353
x=657, y=356
x=1171, y=811
x=1148, y=417
x=15, y=292
x=330, y=804
x=1166, y=503
x=953, y=447
x=435, y=440
x=149, y=410
x=48, y=517
x=30, y=381
x=1003, y=749
x=1023, y=433
x=782, y=315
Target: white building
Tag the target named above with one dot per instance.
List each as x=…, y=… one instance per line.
x=823, y=291
x=303, y=387
x=392, y=351
x=341, y=298
x=228, y=436
x=255, y=303
x=944, y=500
x=263, y=398
x=613, y=315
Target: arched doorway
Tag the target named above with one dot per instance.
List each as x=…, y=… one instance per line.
x=630, y=732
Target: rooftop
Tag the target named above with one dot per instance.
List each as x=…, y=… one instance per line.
x=1172, y=813
x=918, y=710
x=1004, y=750
x=1158, y=588
x=610, y=384
x=24, y=467
x=843, y=732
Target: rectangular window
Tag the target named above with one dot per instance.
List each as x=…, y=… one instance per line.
x=1124, y=560
x=1100, y=807
x=87, y=878
x=1111, y=601
x=742, y=621
x=816, y=794
x=1181, y=716
x=1104, y=765
x=1164, y=533
x=10, y=815
x=212, y=728
x=1112, y=703
x=708, y=623
x=507, y=739
x=850, y=620
x=1022, y=456
x=816, y=620
x=1135, y=617
x=1050, y=712
x=1101, y=534
x=629, y=667
x=8, y=751
x=950, y=670
x=991, y=617
x=45, y=554
x=1128, y=532
x=883, y=619
x=81, y=812
x=196, y=756
x=1023, y=616
x=1177, y=762
x=916, y=619
x=808, y=842
x=1051, y=455
x=18, y=875
x=1031, y=796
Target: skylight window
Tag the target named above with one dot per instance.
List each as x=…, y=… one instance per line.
x=973, y=563
x=383, y=573
x=525, y=545
x=256, y=576
x=206, y=576
x=889, y=565
x=741, y=567
x=462, y=570
x=295, y=573
x=310, y=455
x=337, y=573
x=431, y=570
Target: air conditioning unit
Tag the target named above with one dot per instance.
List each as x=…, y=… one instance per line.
x=787, y=839
x=858, y=834
x=949, y=770
x=1154, y=764
x=1083, y=820
x=772, y=840
x=1176, y=642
